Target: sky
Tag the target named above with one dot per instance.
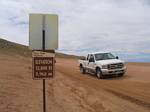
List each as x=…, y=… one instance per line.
x=84, y=25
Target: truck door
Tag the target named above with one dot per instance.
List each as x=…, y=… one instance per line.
x=91, y=62
x=87, y=60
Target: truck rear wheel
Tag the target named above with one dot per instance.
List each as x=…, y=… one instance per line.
x=99, y=73
x=82, y=70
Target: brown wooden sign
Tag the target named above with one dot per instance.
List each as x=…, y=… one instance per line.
x=43, y=65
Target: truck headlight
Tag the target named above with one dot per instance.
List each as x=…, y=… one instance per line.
x=104, y=67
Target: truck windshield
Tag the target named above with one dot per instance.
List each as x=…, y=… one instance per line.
x=104, y=56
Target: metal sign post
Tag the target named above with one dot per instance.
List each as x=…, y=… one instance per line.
x=45, y=26
x=43, y=46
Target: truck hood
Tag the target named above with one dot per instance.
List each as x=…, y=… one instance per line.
x=110, y=61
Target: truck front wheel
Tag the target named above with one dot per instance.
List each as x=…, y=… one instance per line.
x=99, y=73
x=82, y=70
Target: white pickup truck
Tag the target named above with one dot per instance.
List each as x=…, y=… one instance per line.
x=102, y=64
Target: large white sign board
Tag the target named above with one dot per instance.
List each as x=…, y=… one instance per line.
x=38, y=23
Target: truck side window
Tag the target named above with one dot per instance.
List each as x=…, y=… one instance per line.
x=91, y=58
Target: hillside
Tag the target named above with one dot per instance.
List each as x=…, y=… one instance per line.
x=11, y=48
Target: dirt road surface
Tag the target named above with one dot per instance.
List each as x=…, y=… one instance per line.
x=70, y=91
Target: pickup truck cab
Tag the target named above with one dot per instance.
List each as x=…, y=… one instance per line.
x=102, y=64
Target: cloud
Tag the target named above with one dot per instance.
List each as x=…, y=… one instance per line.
x=85, y=25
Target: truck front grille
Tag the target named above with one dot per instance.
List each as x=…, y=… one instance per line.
x=115, y=66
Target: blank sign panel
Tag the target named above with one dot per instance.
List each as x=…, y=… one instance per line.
x=38, y=23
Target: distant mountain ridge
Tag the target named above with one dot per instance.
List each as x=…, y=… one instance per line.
x=12, y=48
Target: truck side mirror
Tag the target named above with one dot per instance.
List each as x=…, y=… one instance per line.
x=117, y=57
